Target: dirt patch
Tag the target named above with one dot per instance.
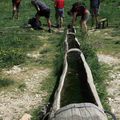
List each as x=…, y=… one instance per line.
x=35, y=55
x=108, y=59
x=113, y=84
x=14, y=103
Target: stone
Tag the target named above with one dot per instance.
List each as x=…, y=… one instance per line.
x=26, y=117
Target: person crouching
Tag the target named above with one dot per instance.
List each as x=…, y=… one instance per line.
x=42, y=10
x=79, y=10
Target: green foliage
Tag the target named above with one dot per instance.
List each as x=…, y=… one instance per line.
x=52, y=56
x=11, y=57
x=36, y=113
x=4, y=82
x=110, y=9
x=57, y=63
x=22, y=86
x=13, y=48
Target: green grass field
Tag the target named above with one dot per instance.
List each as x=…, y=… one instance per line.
x=16, y=42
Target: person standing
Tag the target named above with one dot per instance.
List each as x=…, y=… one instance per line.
x=42, y=10
x=59, y=12
x=15, y=5
x=79, y=10
x=94, y=7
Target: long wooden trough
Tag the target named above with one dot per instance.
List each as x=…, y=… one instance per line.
x=84, y=103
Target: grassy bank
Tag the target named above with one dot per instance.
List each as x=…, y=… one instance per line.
x=99, y=72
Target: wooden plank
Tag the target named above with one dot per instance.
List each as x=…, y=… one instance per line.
x=104, y=19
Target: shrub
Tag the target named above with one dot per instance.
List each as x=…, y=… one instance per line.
x=11, y=57
x=5, y=82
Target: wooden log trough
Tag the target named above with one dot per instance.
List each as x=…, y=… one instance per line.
x=76, y=97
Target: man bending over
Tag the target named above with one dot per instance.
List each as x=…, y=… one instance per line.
x=42, y=10
x=79, y=10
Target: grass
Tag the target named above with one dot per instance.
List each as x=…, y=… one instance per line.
x=106, y=7
x=8, y=83
x=22, y=86
x=50, y=84
x=16, y=42
x=11, y=57
x=4, y=82
x=106, y=41
x=99, y=72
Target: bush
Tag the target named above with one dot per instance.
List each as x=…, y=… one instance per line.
x=5, y=82
x=11, y=57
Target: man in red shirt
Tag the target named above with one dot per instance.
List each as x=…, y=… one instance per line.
x=59, y=12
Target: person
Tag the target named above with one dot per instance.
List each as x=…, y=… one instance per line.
x=33, y=24
x=42, y=10
x=16, y=5
x=78, y=9
x=94, y=7
x=59, y=12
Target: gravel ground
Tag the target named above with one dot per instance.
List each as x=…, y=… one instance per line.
x=113, y=83
x=15, y=103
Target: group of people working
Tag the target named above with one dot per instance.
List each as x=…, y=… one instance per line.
x=78, y=9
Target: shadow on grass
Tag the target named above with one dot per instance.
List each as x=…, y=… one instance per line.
x=5, y=82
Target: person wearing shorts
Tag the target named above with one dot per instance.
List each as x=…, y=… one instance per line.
x=94, y=7
x=42, y=10
x=59, y=12
x=16, y=5
x=79, y=10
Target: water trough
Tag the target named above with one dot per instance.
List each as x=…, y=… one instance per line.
x=76, y=97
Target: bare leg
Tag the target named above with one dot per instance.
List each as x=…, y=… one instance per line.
x=84, y=25
x=96, y=20
x=17, y=11
x=17, y=14
x=14, y=11
x=37, y=18
x=57, y=18
x=61, y=21
x=49, y=24
x=92, y=21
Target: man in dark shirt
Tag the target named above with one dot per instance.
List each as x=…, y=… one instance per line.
x=94, y=6
x=42, y=10
x=79, y=10
x=15, y=4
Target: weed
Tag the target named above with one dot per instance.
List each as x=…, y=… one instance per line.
x=4, y=82
x=22, y=86
x=11, y=57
